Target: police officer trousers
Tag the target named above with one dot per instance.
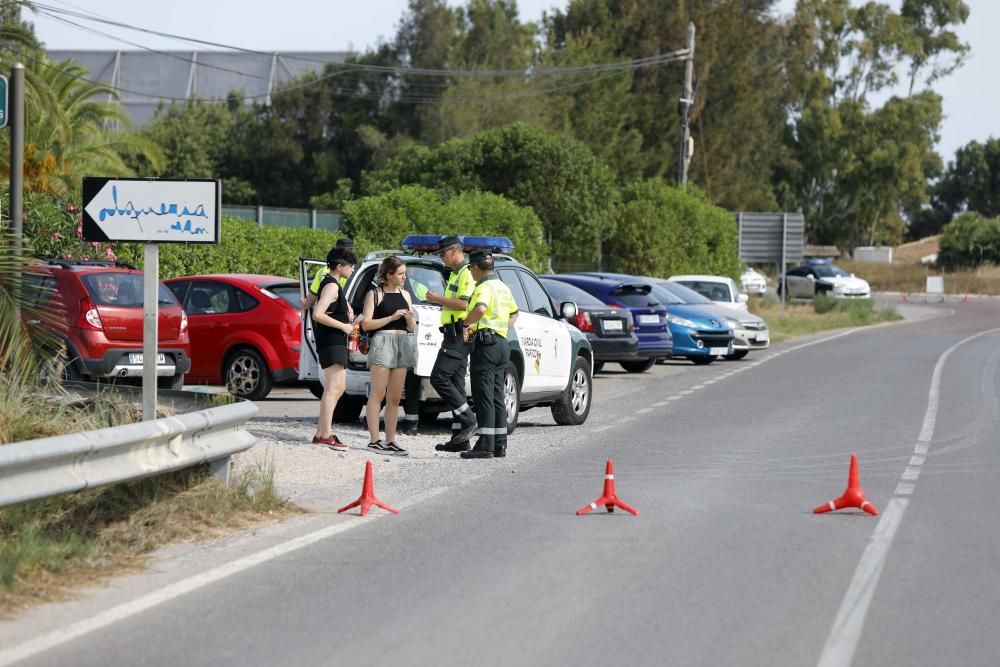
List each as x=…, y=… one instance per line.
x=487, y=374
x=448, y=380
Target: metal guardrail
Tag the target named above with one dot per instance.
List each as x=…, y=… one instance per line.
x=70, y=463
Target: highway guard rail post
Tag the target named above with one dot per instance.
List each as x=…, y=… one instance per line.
x=62, y=464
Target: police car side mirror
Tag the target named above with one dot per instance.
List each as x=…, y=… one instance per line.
x=742, y=298
x=568, y=309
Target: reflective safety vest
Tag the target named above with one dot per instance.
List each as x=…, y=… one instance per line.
x=460, y=286
x=499, y=302
x=318, y=280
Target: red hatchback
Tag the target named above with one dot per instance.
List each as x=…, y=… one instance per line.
x=95, y=309
x=245, y=330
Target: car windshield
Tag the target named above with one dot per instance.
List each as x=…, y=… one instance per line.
x=421, y=279
x=121, y=289
x=635, y=296
x=710, y=289
x=566, y=292
x=830, y=271
x=681, y=294
x=289, y=292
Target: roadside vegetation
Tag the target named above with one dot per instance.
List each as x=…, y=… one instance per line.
x=822, y=314
x=51, y=546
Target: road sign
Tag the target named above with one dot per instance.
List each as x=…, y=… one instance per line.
x=151, y=210
x=3, y=101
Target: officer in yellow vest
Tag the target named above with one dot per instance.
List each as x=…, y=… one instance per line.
x=448, y=376
x=492, y=312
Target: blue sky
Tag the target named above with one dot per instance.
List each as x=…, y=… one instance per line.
x=971, y=95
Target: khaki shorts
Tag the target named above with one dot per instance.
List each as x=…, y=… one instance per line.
x=391, y=350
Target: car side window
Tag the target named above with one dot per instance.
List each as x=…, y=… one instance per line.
x=210, y=298
x=538, y=298
x=509, y=278
x=180, y=289
x=38, y=289
x=245, y=301
x=364, y=285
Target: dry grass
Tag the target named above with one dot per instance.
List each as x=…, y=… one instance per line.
x=914, y=251
x=910, y=278
x=50, y=547
x=803, y=319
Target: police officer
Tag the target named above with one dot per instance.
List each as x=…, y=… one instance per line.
x=448, y=376
x=491, y=313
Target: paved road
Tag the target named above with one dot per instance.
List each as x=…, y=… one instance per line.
x=726, y=565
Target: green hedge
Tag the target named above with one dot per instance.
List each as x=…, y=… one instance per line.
x=52, y=230
x=381, y=221
x=970, y=240
x=663, y=231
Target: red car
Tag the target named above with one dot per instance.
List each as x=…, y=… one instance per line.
x=245, y=330
x=95, y=309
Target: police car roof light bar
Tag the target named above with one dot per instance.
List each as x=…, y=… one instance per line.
x=429, y=243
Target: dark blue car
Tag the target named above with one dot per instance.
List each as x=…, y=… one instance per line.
x=649, y=315
x=698, y=333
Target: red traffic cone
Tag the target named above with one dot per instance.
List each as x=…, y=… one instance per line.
x=905, y=298
x=368, y=498
x=853, y=496
x=608, y=498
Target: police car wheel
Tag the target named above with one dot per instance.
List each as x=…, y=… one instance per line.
x=573, y=408
x=511, y=395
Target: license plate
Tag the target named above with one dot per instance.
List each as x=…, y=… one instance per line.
x=762, y=337
x=649, y=319
x=716, y=351
x=612, y=325
x=136, y=358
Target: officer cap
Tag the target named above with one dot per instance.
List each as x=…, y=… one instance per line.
x=447, y=242
x=477, y=256
x=345, y=243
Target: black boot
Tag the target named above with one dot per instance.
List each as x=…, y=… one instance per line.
x=477, y=454
x=452, y=446
x=499, y=452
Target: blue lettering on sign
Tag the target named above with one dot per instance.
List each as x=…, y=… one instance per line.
x=164, y=208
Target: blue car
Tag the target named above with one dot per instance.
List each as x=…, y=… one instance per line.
x=699, y=334
x=649, y=315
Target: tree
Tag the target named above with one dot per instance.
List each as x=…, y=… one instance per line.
x=558, y=177
x=68, y=134
x=929, y=37
x=972, y=180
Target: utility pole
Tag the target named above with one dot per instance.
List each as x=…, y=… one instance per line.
x=684, y=109
x=16, y=121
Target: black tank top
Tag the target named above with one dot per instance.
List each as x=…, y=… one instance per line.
x=389, y=303
x=328, y=336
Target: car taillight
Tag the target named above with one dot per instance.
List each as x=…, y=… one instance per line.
x=89, y=317
x=615, y=304
x=582, y=321
x=631, y=324
x=184, y=321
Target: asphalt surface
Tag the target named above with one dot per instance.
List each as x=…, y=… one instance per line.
x=725, y=565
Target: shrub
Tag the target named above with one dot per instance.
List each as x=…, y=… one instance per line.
x=662, y=230
x=381, y=221
x=824, y=303
x=970, y=240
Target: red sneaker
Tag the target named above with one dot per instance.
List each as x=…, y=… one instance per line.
x=333, y=442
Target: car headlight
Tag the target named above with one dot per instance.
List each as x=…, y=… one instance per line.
x=733, y=324
x=681, y=322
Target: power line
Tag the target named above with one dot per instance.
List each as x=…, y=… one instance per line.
x=550, y=71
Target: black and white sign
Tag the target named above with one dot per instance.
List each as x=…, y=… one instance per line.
x=151, y=210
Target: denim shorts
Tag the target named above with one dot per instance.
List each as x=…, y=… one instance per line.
x=391, y=350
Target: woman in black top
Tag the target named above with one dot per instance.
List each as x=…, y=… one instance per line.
x=389, y=314
x=331, y=325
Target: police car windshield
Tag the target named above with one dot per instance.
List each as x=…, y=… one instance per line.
x=680, y=294
x=830, y=271
x=423, y=279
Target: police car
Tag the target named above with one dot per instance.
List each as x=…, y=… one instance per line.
x=550, y=360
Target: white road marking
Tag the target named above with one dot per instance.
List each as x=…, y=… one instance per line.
x=917, y=460
x=140, y=604
x=904, y=489
x=843, y=640
x=643, y=411
x=910, y=474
